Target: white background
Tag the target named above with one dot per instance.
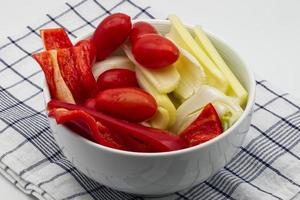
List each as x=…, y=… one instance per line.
x=265, y=33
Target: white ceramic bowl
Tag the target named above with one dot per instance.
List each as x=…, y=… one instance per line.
x=160, y=173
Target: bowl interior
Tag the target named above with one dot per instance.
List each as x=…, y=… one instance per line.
x=233, y=60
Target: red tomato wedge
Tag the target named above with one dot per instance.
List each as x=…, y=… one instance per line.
x=117, y=78
x=139, y=29
x=154, y=51
x=131, y=104
x=55, y=38
x=206, y=126
x=111, y=33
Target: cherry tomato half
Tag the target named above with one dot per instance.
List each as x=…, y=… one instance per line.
x=154, y=51
x=111, y=33
x=139, y=29
x=117, y=78
x=131, y=104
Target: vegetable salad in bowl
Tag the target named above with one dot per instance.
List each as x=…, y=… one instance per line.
x=133, y=88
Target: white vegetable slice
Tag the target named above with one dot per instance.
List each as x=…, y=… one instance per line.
x=161, y=99
x=206, y=94
x=187, y=120
x=235, y=87
x=114, y=62
x=192, y=75
x=164, y=80
x=161, y=119
x=184, y=39
x=227, y=114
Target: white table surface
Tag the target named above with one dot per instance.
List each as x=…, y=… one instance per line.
x=266, y=34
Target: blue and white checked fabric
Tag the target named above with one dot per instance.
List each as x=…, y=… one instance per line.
x=266, y=168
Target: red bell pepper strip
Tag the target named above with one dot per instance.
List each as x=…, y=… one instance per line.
x=205, y=127
x=83, y=66
x=66, y=62
x=89, y=46
x=57, y=86
x=55, y=38
x=132, y=144
x=159, y=140
x=45, y=62
x=98, y=132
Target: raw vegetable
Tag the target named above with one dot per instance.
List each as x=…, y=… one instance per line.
x=83, y=66
x=192, y=75
x=99, y=133
x=206, y=94
x=88, y=45
x=90, y=103
x=162, y=100
x=206, y=126
x=159, y=140
x=227, y=114
x=117, y=78
x=131, y=104
x=235, y=87
x=161, y=119
x=180, y=35
x=154, y=51
x=111, y=33
x=164, y=80
x=66, y=63
x=55, y=38
x=114, y=62
x=57, y=86
x=139, y=29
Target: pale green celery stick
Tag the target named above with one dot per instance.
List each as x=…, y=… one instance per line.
x=183, y=38
x=235, y=87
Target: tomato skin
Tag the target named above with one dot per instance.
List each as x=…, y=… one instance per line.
x=111, y=33
x=131, y=104
x=206, y=126
x=117, y=78
x=139, y=29
x=154, y=51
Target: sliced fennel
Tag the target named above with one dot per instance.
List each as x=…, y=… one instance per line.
x=113, y=62
x=186, y=121
x=227, y=114
x=206, y=94
x=183, y=38
x=164, y=80
x=161, y=119
x=192, y=75
x=235, y=87
x=162, y=100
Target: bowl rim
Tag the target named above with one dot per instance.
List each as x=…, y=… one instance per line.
x=247, y=110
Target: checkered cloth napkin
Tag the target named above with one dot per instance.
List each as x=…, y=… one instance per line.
x=266, y=167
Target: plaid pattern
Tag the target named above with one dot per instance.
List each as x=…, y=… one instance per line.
x=267, y=166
